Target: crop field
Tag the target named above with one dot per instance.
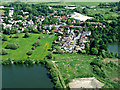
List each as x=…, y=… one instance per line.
x=25, y=44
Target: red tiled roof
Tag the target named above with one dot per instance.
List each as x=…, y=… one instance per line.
x=55, y=30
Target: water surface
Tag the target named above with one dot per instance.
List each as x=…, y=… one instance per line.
x=20, y=76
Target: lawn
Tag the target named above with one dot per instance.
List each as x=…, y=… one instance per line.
x=26, y=45
x=74, y=65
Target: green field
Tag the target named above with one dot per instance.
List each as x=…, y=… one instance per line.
x=74, y=65
x=26, y=45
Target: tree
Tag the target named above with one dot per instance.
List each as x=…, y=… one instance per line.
x=62, y=20
x=26, y=35
x=29, y=52
x=12, y=46
x=4, y=52
x=87, y=48
x=94, y=51
x=37, y=43
x=4, y=38
x=49, y=55
x=69, y=22
x=85, y=11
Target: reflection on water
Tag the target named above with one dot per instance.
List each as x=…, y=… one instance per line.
x=114, y=47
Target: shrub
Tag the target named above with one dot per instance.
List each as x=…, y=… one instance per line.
x=29, y=52
x=4, y=52
x=12, y=46
x=33, y=48
x=4, y=38
x=29, y=61
x=116, y=55
x=49, y=55
x=37, y=43
x=16, y=36
x=59, y=51
x=26, y=35
x=94, y=51
x=39, y=37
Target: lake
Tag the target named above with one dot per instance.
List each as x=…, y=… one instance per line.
x=20, y=76
x=114, y=47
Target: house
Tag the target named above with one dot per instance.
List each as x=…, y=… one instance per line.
x=70, y=7
x=86, y=33
x=11, y=11
x=1, y=7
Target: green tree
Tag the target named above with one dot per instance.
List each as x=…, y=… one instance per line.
x=94, y=51
x=26, y=35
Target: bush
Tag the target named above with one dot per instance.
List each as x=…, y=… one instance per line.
x=116, y=55
x=16, y=36
x=39, y=37
x=12, y=46
x=33, y=48
x=4, y=52
x=49, y=55
x=29, y=61
x=59, y=51
x=37, y=43
x=26, y=35
x=29, y=52
x=4, y=38
x=94, y=51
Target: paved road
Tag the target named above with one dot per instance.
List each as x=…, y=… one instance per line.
x=74, y=42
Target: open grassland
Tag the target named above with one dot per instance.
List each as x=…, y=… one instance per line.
x=26, y=45
x=74, y=65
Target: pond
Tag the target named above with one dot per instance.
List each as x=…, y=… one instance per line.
x=20, y=76
x=114, y=47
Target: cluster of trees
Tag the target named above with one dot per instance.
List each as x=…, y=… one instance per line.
x=111, y=4
x=54, y=75
x=50, y=20
x=3, y=52
x=12, y=46
x=80, y=10
x=100, y=37
x=10, y=31
x=99, y=67
x=33, y=9
x=4, y=38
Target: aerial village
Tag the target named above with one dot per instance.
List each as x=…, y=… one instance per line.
x=67, y=42
x=70, y=41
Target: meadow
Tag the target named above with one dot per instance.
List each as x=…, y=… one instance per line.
x=25, y=44
x=74, y=65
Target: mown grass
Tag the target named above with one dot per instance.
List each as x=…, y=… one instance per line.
x=26, y=45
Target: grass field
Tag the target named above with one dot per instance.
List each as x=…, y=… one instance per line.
x=26, y=45
x=74, y=65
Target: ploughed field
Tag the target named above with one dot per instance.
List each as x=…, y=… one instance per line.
x=26, y=44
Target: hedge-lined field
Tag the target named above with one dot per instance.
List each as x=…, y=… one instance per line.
x=25, y=44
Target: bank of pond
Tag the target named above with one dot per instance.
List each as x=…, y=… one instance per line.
x=30, y=74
